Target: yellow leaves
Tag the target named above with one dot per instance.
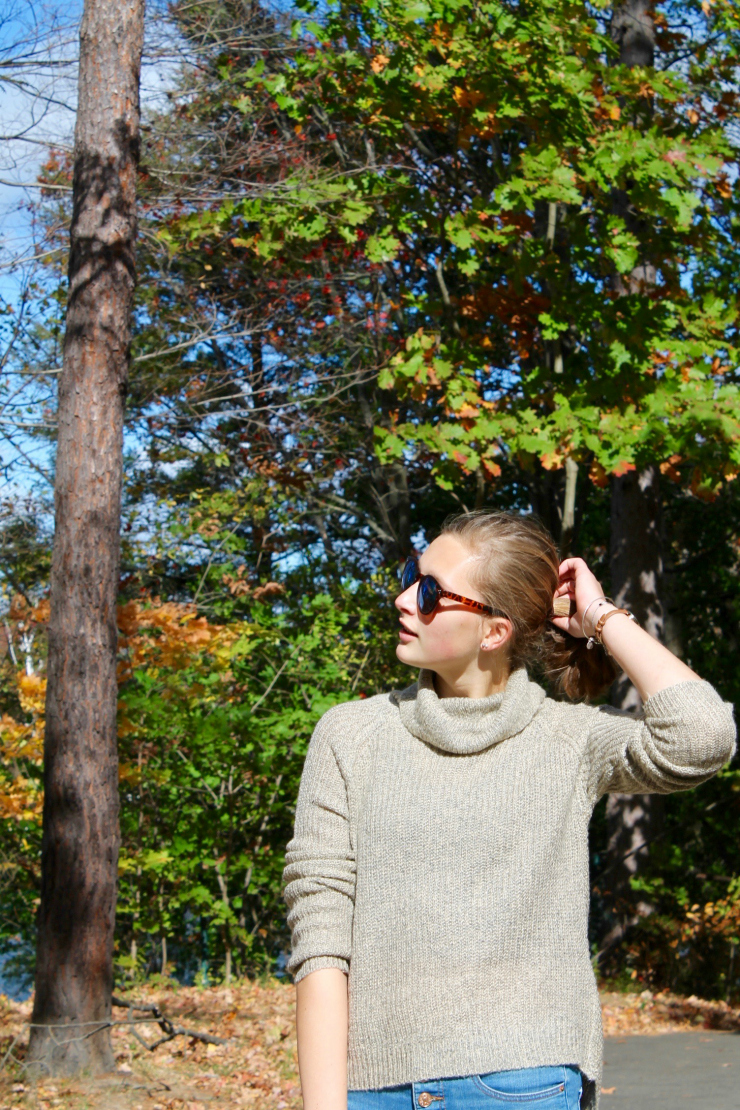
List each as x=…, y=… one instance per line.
x=553, y=460
x=466, y=98
x=21, y=800
x=21, y=797
x=379, y=62
x=166, y=635
x=692, y=115
x=718, y=919
x=21, y=741
x=606, y=110
x=717, y=367
x=129, y=773
x=468, y=412
x=32, y=693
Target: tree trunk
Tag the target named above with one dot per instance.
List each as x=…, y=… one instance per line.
x=635, y=556
x=633, y=820
x=633, y=30
x=80, y=833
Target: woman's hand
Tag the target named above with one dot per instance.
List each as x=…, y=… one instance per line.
x=650, y=666
x=580, y=586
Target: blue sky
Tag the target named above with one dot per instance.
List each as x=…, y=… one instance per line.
x=38, y=87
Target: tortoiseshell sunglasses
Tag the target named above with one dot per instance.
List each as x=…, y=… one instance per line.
x=430, y=591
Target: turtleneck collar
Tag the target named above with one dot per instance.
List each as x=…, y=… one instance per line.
x=466, y=725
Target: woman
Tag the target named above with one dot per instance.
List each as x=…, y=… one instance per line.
x=437, y=882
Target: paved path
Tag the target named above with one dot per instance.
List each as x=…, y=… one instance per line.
x=673, y=1070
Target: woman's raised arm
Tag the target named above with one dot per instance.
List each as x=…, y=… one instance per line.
x=649, y=665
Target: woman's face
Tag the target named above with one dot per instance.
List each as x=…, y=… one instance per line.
x=449, y=639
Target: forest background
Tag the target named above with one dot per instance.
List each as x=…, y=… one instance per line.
x=396, y=259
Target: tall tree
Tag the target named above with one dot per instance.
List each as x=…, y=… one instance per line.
x=635, y=549
x=81, y=835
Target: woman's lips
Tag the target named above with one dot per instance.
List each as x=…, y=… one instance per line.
x=404, y=634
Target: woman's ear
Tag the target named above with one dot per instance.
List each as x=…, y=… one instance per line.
x=497, y=631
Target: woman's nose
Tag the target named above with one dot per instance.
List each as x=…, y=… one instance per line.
x=406, y=601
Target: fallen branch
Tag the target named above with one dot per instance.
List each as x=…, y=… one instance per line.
x=170, y=1031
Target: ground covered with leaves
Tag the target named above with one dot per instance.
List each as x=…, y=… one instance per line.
x=257, y=1066
x=647, y=1013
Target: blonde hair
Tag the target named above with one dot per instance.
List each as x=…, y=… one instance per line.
x=517, y=573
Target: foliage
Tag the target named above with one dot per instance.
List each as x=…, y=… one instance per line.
x=214, y=723
x=688, y=942
x=215, y=720
x=487, y=210
x=383, y=277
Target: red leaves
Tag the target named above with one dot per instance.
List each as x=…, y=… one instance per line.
x=598, y=475
x=623, y=467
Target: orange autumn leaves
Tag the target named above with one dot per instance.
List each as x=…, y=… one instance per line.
x=153, y=635
x=21, y=749
x=163, y=634
x=22, y=742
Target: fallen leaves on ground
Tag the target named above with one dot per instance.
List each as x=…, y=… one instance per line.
x=257, y=1068
x=647, y=1014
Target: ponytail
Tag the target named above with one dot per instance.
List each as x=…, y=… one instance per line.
x=571, y=668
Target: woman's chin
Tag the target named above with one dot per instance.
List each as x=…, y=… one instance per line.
x=409, y=653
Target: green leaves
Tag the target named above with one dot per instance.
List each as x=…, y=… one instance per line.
x=215, y=721
x=382, y=247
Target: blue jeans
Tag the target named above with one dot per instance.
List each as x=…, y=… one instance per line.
x=547, y=1088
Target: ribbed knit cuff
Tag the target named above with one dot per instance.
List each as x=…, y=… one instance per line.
x=315, y=963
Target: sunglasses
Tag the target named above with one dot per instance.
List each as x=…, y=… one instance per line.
x=430, y=591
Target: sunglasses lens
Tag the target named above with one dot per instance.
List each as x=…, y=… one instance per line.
x=409, y=574
x=427, y=596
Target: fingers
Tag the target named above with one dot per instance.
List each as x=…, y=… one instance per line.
x=565, y=588
x=569, y=567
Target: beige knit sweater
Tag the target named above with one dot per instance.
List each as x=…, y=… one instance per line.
x=440, y=857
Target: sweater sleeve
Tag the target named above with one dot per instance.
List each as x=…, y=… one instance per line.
x=319, y=873
x=683, y=735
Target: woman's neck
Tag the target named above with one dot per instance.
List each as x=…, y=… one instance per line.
x=473, y=682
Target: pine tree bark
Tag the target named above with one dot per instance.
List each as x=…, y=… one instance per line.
x=72, y=1001
x=633, y=821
